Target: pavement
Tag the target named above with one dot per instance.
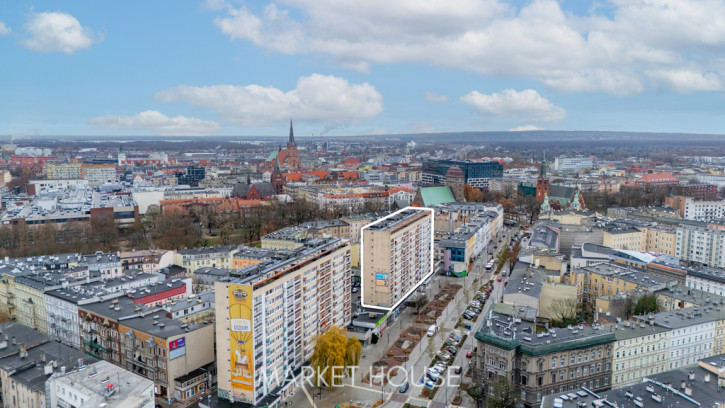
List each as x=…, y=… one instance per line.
x=360, y=394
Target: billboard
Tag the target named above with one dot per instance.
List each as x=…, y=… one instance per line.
x=383, y=276
x=177, y=348
x=241, y=345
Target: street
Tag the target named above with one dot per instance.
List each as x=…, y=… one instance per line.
x=357, y=393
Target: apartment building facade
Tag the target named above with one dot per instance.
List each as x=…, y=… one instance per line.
x=396, y=256
x=543, y=363
x=269, y=314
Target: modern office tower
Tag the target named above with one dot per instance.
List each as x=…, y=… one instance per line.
x=396, y=256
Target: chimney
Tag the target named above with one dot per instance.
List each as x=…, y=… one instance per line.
x=691, y=376
x=14, y=341
x=707, y=377
x=42, y=357
x=683, y=385
x=688, y=390
x=22, y=351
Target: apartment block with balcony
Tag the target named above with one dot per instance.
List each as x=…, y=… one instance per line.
x=269, y=314
x=396, y=256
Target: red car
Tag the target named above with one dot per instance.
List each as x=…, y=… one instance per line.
x=469, y=354
x=499, y=279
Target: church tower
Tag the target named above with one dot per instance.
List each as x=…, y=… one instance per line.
x=277, y=178
x=292, y=159
x=456, y=181
x=542, y=183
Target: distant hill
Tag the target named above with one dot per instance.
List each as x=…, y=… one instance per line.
x=535, y=136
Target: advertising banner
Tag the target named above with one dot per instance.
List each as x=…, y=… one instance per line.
x=241, y=345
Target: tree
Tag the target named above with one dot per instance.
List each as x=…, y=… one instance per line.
x=476, y=392
x=501, y=258
x=646, y=304
x=503, y=395
x=420, y=302
x=472, y=194
x=564, y=312
x=334, y=353
x=353, y=349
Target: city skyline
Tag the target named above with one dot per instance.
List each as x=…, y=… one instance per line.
x=242, y=68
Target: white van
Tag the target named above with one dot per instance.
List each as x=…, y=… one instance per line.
x=432, y=330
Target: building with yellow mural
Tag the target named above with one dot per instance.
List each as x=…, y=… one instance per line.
x=269, y=314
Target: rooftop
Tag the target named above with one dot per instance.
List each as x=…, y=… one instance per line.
x=130, y=389
x=399, y=220
x=694, y=386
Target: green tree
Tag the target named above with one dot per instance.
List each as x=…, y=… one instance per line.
x=503, y=395
x=646, y=304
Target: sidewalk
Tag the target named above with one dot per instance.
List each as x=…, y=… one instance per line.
x=364, y=395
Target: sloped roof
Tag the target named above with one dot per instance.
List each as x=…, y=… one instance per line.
x=264, y=189
x=561, y=194
x=433, y=196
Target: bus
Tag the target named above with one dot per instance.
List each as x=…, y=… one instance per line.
x=489, y=266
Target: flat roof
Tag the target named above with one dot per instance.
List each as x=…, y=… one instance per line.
x=94, y=380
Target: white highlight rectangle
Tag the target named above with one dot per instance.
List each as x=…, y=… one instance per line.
x=362, y=258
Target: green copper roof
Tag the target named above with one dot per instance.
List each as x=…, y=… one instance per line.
x=433, y=196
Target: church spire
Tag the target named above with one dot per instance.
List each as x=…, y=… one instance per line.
x=542, y=172
x=276, y=165
x=291, y=134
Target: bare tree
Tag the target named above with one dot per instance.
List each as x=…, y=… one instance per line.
x=564, y=311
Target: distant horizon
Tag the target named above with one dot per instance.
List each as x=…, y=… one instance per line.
x=607, y=134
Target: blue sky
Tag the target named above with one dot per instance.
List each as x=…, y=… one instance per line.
x=347, y=67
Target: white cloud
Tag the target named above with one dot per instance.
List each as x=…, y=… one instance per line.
x=527, y=105
x=608, y=49
x=435, y=97
x=214, y=4
x=4, y=30
x=684, y=80
x=316, y=98
x=57, y=32
x=159, y=123
x=524, y=128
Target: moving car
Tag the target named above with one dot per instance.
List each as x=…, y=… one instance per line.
x=469, y=354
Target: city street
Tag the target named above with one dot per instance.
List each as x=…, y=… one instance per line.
x=361, y=394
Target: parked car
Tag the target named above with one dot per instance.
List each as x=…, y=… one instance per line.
x=469, y=354
x=354, y=290
x=452, y=349
x=498, y=279
x=404, y=387
x=456, y=369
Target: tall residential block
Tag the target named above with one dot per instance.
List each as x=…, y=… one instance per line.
x=396, y=256
x=268, y=315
